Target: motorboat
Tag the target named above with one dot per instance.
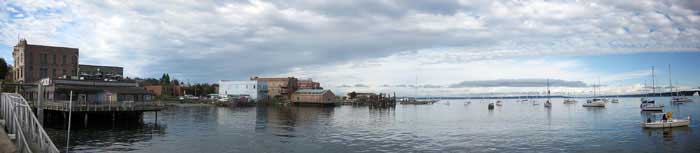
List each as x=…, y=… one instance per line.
x=499, y=103
x=647, y=100
x=651, y=107
x=670, y=123
x=595, y=102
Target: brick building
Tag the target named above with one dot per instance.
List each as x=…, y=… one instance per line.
x=313, y=96
x=308, y=84
x=279, y=88
x=35, y=62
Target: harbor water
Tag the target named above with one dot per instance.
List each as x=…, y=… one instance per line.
x=446, y=126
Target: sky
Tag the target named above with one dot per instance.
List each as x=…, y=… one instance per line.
x=413, y=48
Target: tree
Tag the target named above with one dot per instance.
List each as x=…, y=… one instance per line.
x=352, y=95
x=4, y=68
x=165, y=79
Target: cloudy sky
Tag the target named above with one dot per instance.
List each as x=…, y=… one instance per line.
x=447, y=48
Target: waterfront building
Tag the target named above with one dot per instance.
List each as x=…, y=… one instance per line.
x=35, y=62
x=279, y=88
x=97, y=72
x=88, y=91
x=253, y=89
x=165, y=90
x=308, y=84
x=313, y=96
x=102, y=101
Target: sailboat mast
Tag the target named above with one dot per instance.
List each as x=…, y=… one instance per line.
x=653, y=82
x=670, y=84
x=548, y=90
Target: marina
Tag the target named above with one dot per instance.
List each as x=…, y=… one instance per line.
x=519, y=127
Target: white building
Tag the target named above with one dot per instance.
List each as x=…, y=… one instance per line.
x=252, y=89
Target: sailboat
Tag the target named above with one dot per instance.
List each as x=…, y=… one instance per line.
x=648, y=104
x=696, y=94
x=678, y=98
x=548, y=103
x=569, y=100
x=595, y=102
x=645, y=99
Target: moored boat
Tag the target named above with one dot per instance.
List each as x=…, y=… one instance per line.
x=668, y=123
x=595, y=102
x=491, y=106
x=651, y=107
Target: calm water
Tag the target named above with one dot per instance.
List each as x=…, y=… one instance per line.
x=447, y=126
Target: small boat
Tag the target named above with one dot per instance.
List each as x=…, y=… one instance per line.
x=647, y=100
x=548, y=104
x=615, y=101
x=651, y=107
x=681, y=99
x=595, y=102
x=670, y=123
x=499, y=103
x=569, y=101
x=467, y=103
x=491, y=106
x=696, y=94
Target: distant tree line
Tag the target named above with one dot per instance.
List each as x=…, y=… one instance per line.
x=197, y=89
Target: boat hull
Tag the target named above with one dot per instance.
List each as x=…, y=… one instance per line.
x=668, y=124
x=594, y=105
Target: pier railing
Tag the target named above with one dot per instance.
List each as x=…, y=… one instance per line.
x=29, y=135
x=116, y=106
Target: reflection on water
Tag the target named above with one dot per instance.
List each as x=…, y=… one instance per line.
x=513, y=127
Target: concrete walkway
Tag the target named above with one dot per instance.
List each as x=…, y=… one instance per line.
x=6, y=146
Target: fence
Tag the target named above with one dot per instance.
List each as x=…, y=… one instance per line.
x=20, y=120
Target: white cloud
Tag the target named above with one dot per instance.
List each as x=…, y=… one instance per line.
x=350, y=42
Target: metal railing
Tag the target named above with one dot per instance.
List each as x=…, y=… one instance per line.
x=20, y=120
x=120, y=106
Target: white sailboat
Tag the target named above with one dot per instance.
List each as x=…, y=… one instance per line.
x=595, y=102
x=648, y=104
x=645, y=99
x=677, y=98
x=696, y=94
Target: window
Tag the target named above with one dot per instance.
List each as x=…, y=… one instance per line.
x=54, y=58
x=43, y=72
x=43, y=59
x=64, y=72
x=64, y=59
x=53, y=73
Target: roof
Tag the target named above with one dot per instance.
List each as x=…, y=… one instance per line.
x=118, y=90
x=312, y=91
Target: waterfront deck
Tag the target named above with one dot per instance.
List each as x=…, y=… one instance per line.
x=123, y=106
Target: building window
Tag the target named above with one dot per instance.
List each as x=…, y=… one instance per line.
x=54, y=58
x=43, y=72
x=64, y=59
x=53, y=73
x=43, y=59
